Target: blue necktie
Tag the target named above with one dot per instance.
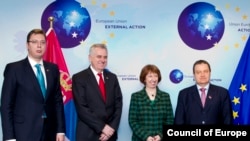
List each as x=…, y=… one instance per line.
x=40, y=79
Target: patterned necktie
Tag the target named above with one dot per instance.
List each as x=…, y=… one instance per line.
x=101, y=86
x=203, y=96
x=40, y=79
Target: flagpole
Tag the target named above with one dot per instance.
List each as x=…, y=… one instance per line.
x=51, y=19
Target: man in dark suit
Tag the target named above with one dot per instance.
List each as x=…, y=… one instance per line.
x=217, y=106
x=26, y=113
x=98, y=116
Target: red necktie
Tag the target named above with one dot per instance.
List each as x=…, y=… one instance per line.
x=203, y=96
x=101, y=86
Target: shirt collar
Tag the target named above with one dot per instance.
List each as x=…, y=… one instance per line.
x=206, y=87
x=94, y=71
x=33, y=62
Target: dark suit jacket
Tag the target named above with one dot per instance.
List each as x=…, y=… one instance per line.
x=217, y=108
x=22, y=103
x=93, y=112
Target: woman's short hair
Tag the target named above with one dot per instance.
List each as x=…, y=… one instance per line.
x=147, y=69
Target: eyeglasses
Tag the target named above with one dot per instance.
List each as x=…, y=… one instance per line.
x=37, y=42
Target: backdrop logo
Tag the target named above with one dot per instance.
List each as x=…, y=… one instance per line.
x=201, y=26
x=176, y=76
x=72, y=22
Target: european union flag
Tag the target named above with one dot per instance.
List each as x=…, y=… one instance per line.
x=239, y=91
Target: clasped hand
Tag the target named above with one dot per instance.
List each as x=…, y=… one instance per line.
x=107, y=132
x=154, y=138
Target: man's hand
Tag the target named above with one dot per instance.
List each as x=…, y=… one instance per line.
x=150, y=138
x=108, y=131
x=103, y=137
x=60, y=137
x=157, y=138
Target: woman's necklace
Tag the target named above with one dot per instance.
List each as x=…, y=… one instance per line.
x=151, y=94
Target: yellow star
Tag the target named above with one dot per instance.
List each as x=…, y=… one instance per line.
x=244, y=37
x=104, y=5
x=226, y=47
x=236, y=45
x=244, y=17
x=104, y=42
x=237, y=9
x=111, y=13
x=111, y=35
x=235, y=114
x=243, y=87
x=93, y=2
x=236, y=100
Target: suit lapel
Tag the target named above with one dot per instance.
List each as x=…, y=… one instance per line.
x=106, y=80
x=32, y=76
x=196, y=96
x=94, y=83
x=210, y=95
x=49, y=78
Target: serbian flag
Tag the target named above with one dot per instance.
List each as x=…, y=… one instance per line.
x=54, y=54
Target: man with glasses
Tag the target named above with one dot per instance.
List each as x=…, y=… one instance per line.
x=30, y=112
